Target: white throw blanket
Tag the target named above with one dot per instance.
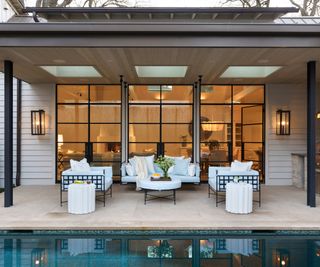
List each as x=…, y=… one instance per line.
x=141, y=170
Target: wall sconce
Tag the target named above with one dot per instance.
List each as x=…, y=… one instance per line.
x=38, y=122
x=318, y=115
x=282, y=258
x=283, y=122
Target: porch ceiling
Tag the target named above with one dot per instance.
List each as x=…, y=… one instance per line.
x=112, y=62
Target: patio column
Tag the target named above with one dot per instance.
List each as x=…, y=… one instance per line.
x=8, y=133
x=196, y=120
x=124, y=120
x=311, y=134
x=18, y=157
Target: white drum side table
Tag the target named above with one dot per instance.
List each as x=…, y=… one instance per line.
x=239, y=198
x=81, y=198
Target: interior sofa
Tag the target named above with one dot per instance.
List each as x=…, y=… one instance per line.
x=218, y=177
x=125, y=178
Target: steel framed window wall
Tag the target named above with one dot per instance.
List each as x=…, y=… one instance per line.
x=162, y=104
x=88, y=144
x=230, y=124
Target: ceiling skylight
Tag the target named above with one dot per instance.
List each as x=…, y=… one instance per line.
x=72, y=71
x=249, y=71
x=161, y=71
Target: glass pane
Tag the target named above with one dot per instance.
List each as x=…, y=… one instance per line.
x=216, y=113
x=115, y=167
x=72, y=113
x=252, y=133
x=73, y=132
x=216, y=94
x=213, y=132
x=214, y=152
x=178, y=149
x=105, y=132
x=144, y=133
x=253, y=152
x=252, y=114
x=142, y=149
x=176, y=132
x=105, y=93
x=144, y=113
x=72, y=93
x=107, y=151
x=62, y=166
x=177, y=93
x=177, y=113
x=67, y=151
x=144, y=94
x=248, y=94
x=105, y=113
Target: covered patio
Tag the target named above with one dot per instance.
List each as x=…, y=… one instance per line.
x=38, y=207
x=114, y=47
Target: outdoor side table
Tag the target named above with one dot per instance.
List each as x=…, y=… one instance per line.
x=81, y=198
x=239, y=198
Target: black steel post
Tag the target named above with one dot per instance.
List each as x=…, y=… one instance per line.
x=311, y=133
x=8, y=133
x=18, y=159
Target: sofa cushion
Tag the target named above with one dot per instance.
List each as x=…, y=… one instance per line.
x=192, y=169
x=129, y=169
x=149, y=160
x=79, y=166
x=181, y=166
x=241, y=166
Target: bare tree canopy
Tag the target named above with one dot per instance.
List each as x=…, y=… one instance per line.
x=83, y=3
x=306, y=7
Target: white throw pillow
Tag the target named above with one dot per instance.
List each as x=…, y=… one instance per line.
x=79, y=166
x=171, y=170
x=192, y=169
x=241, y=166
x=130, y=170
x=133, y=165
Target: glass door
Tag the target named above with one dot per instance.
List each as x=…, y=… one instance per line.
x=160, y=120
x=88, y=125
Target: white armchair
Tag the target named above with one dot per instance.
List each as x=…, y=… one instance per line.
x=218, y=177
x=100, y=176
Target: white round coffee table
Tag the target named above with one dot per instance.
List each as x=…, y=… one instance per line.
x=81, y=198
x=148, y=185
x=239, y=197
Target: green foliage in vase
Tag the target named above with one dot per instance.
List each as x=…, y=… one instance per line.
x=164, y=164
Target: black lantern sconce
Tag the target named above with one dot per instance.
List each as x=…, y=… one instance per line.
x=282, y=258
x=38, y=122
x=283, y=122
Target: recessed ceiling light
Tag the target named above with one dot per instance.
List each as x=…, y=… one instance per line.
x=161, y=71
x=249, y=71
x=72, y=71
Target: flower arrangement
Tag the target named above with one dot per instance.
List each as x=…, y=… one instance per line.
x=164, y=164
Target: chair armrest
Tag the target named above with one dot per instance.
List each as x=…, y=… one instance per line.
x=213, y=170
x=198, y=169
x=123, y=169
x=107, y=170
x=82, y=173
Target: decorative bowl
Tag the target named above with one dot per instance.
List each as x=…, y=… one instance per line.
x=156, y=176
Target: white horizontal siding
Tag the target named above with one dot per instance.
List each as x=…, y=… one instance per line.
x=37, y=152
x=279, y=148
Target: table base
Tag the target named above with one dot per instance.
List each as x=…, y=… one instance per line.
x=150, y=197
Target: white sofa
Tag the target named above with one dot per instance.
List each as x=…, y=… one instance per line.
x=218, y=177
x=100, y=176
x=125, y=178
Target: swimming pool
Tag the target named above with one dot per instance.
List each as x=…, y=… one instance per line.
x=160, y=248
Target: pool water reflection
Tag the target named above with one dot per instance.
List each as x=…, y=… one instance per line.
x=159, y=250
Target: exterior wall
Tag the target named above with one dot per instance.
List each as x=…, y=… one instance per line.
x=37, y=152
x=279, y=148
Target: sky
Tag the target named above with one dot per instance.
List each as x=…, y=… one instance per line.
x=185, y=3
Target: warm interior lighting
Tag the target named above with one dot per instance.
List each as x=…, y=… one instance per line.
x=72, y=71
x=318, y=115
x=158, y=88
x=161, y=71
x=38, y=122
x=283, y=122
x=212, y=126
x=249, y=71
x=283, y=257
